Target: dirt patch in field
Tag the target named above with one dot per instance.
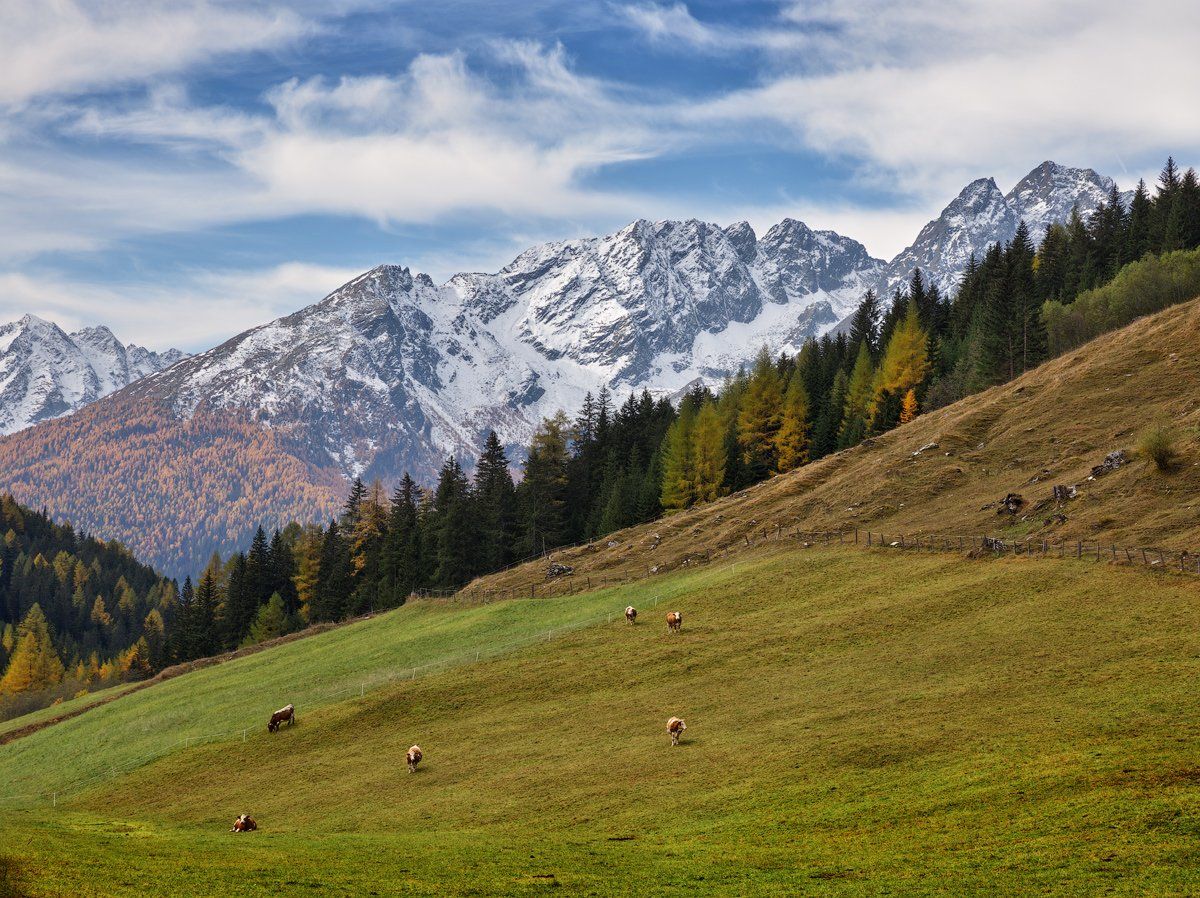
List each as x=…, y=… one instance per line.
x=11, y=882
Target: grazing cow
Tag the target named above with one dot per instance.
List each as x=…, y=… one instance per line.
x=286, y=714
x=244, y=824
x=676, y=726
x=674, y=621
x=631, y=614
x=414, y=758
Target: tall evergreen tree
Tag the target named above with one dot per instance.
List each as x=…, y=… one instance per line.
x=402, y=569
x=542, y=495
x=791, y=441
x=760, y=417
x=679, y=462
x=207, y=615
x=332, y=596
x=864, y=325
x=455, y=523
x=496, y=497
x=242, y=594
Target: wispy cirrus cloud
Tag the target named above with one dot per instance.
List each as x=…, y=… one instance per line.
x=927, y=94
x=57, y=46
x=436, y=139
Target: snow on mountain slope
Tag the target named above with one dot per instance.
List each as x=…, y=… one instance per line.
x=981, y=215
x=1048, y=193
x=391, y=372
x=978, y=217
x=45, y=372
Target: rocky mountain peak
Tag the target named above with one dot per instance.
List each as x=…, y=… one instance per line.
x=1049, y=193
x=44, y=372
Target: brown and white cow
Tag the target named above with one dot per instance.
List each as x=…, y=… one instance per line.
x=676, y=726
x=674, y=621
x=286, y=714
x=414, y=758
x=631, y=614
x=244, y=824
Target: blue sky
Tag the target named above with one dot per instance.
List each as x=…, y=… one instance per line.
x=183, y=169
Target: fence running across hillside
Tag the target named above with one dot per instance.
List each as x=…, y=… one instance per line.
x=570, y=584
x=1160, y=559
x=369, y=684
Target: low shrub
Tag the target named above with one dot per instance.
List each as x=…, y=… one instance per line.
x=1140, y=288
x=1159, y=446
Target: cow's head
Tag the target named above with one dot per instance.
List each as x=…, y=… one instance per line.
x=272, y=726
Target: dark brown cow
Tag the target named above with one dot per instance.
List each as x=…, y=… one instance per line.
x=244, y=824
x=674, y=621
x=414, y=758
x=676, y=726
x=631, y=614
x=286, y=714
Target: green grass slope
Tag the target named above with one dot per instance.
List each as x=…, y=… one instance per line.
x=240, y=695
x=860, y=723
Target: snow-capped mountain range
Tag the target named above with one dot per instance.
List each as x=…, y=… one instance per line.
x=45, y=372
x=393, y=372
x=981, y=215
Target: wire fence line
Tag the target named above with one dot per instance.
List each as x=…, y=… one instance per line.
x=371, y=683
x=1162, y=559
x=1155, y=558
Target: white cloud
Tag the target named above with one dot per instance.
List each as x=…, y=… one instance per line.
x=191, y=312
x=922, y=98
x=436, y=139
x=926, y=95
x=440, y=139
x=53, y=46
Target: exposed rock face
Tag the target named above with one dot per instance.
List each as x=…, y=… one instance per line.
x=981, y=215
x=45, y=372
x=392, y=372
x=1048, y=193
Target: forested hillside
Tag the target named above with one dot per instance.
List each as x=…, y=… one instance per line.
x=75, y=612
x=175, y=491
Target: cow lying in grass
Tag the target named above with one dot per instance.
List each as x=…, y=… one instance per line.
x=631, y=614
x=676, y=726
x=414, y=758
x=674, y=621
x=244, y=824
x=286, y=714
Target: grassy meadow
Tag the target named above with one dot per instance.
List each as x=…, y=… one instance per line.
x=859, y=723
